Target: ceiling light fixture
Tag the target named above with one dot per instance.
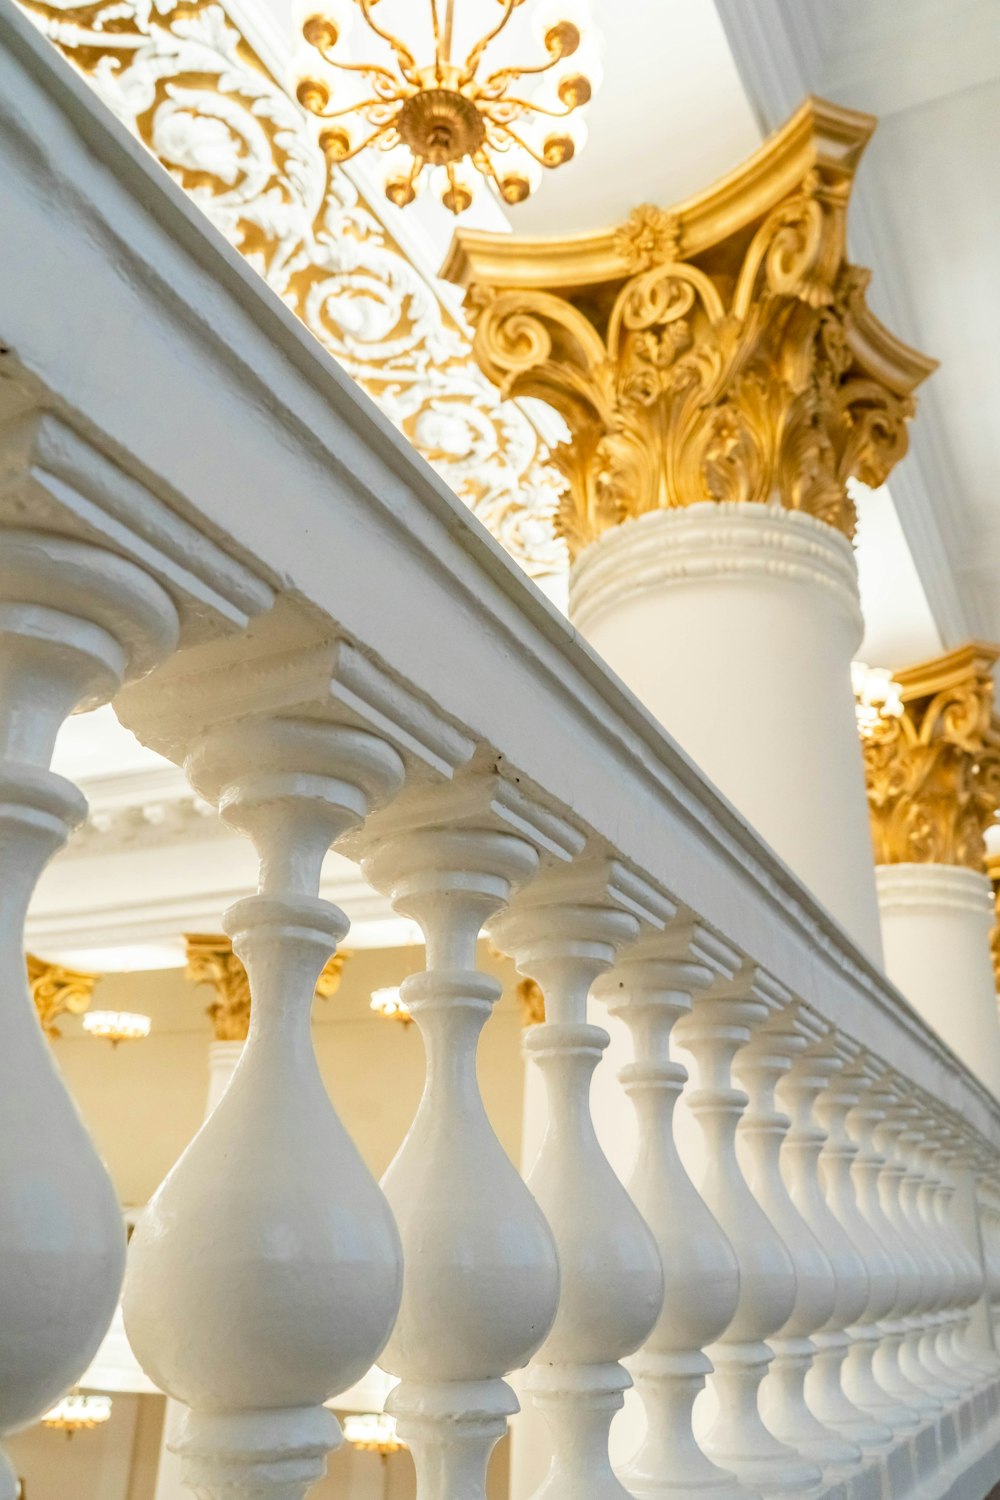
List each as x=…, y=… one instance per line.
x=77, y=1413
x=372, y=1432
x=389, y=1002
x=444, y=113
x=116, y=1026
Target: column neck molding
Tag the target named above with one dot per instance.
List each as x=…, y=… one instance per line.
x=720, y=540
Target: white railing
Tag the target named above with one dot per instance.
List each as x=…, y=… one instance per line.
x=197, y=504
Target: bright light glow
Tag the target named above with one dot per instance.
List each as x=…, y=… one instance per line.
x=389, y=1002
x=877, y=696
x=374, y=1431
x=116, y=1026
x=75, y=1413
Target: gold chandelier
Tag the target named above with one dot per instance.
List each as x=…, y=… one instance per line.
x=442, y=113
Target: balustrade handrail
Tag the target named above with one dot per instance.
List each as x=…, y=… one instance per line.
x=267, y=467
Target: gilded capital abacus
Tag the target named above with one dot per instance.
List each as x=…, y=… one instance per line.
x=58, y=991
x=719, y=351
x=211, y=960
x=933, y=771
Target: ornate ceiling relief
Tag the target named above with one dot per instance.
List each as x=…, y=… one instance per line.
x=719, y=352
x=211, y=960
x=934, y=772
x=184, y=79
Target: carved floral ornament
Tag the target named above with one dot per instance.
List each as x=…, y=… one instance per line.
x=58, y=991
x=933, y=773
x=720, y=352
x=181, y=75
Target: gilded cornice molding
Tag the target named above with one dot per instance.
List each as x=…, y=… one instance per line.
x=183, y=76
x=211, y=960
x=722, y=350
x=933, y=773
x=58, y=991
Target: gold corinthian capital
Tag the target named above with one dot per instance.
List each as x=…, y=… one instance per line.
x=722, y=350
x=933, y=772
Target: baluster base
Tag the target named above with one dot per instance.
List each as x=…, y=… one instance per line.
x=738, y=1437
x=451, y=1428
x=825, y=1393
x=256, y=1455
x=788, y=1416
x=669, y=1462
x=579, y=1403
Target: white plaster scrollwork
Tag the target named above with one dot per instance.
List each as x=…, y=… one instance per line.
x=186, y=80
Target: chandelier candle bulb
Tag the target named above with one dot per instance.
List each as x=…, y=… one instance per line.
x=116, y=1026
x=444, y=112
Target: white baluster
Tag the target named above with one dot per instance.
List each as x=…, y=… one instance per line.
x=866, y=1170
x=860, y=1382
x=935, y=1270
x=651, y=988
x=719, y=1025
x=758, y=1067
x=265, y=1275
x=799, y=1090
x=482, y=1278
x=913, y=1278
x=564, y=932
x=945, y=1152
x=75, y=622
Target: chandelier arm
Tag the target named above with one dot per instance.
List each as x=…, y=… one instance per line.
x=363, y=145
x=525, y=104
x=472, y=61
x=354, y=109
x=502, y=75
x=373, y=71
x=518, y=141
x=406, y=60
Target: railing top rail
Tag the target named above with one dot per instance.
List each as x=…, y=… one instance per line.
x=212, y=413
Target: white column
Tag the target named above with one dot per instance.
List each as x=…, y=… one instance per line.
x=265, y=1275
x=736, y=624
x=650, y=989
x=481, y=1274
x=75, y=622
x=936, y=922
x=564, y=932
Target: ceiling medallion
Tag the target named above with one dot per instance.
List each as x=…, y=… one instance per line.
x=441, y=114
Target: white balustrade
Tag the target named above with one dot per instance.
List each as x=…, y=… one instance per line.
x=863, y=1122
x=650, y=988
x=936, y=1273
x=912, y=1277
x=861, y=1382
x=265, y=1275
x=481, y=1276
x=720, y=1024
x=564, y=932
x=799, y=1090
x=302, y=615
x=759, y=1066
x=75, y=622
